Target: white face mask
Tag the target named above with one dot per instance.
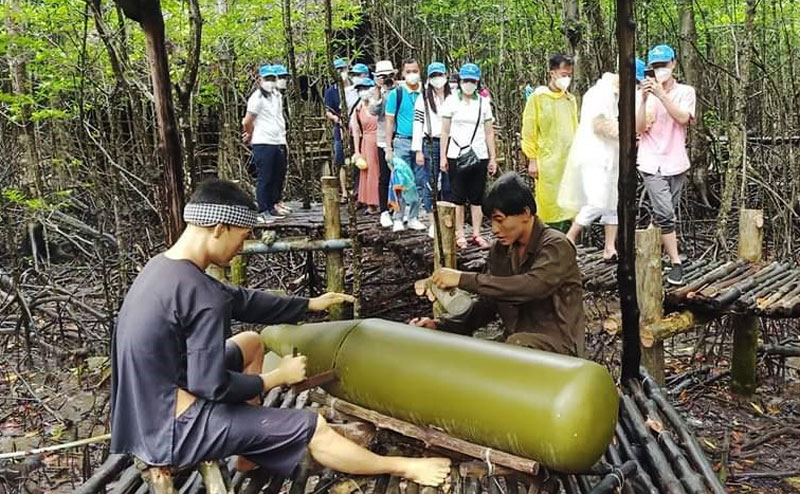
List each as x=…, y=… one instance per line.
x=468, y=87
x=412, y=78
x=281, y=84
x=343, y=74
x=453, y=86
x=663, y=74
x=267, y=85
x=365, y=94
x=562, y=83
x=438, y=82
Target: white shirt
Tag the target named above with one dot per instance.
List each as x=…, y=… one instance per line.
x=421, y=124
x=463, y=113
x=269, y=126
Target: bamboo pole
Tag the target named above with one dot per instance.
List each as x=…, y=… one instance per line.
x=745, y=327
x=212, y=477
x=445, y=233
x=239, y=270
x=650, y=295
x=334, y=267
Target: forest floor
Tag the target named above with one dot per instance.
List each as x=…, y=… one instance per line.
x=50, y=397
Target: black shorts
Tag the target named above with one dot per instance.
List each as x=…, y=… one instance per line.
x=467, y=186
x=274, y=438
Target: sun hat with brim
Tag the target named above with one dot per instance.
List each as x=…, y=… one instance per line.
x=340, y=63
x=364, y=82
x=640, y=66
x=359, y=68
x=384, y=67
x=267, y=71
x=660, y=54
x=280, y=70
x=470, y=71
x=436, y=68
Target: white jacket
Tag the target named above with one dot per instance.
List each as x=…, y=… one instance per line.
x=590, y=176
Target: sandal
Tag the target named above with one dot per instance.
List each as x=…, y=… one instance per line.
x=461, y=243
x=480, y=242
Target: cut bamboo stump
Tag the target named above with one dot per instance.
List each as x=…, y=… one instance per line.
x=160, y=480
x=216, y=272
x=212, y=478
x=745, y=327
x=239, y=270
x=447, y=230
x=650, y=294
x=334, y=264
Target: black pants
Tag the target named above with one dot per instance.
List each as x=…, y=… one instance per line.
x=467, y=186
x=383, y=181
x=270, y=161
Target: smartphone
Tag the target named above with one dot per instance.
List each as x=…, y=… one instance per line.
x=650, y=73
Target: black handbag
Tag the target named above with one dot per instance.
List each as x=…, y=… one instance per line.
x=467, y=160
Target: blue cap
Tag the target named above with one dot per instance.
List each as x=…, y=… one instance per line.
x=640, y=66
x=340, y=63
x=363, y=82
x=280, y=69
x=660, y=53
x=470, y=71
x=267, y=70
x=359, y=68
x=435, y=67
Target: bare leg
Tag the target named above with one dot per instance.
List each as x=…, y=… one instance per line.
x=670, y=241
x=459, y=221
x=343, y=182
x=335, y=452
x=477, y=219
x=573, y=233
x=610, y=240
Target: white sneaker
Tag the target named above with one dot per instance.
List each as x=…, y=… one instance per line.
x=398, y=226
x=386, y=219
x=416, y=224
x=265, y=218
x=431, y=231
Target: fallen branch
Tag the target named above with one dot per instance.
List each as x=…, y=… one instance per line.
x=56, y=447
x=770, y=436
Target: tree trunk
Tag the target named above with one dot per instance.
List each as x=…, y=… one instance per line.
x=573, y=30
x=626, y=207
x=227, y=150
x=599, y=44
x=148, y=14
x=19, y=86
x=737, y=133
x=691, y=69
x=185, y=90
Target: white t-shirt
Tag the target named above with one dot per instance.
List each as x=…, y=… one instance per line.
x=463, y=113
x=269, y=126
x=421, y=124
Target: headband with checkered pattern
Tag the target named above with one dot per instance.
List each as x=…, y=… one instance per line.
x=209, y=214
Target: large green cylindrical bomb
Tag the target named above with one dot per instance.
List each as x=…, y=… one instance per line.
x=558, y=410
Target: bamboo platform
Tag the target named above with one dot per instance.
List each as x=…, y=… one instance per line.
x=713, y=286
x=653, y=452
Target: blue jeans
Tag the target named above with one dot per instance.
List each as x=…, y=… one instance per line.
x=422, y=174
x=442, y=179
x=338, y=150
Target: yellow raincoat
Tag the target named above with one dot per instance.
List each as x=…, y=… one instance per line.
x=549, y=123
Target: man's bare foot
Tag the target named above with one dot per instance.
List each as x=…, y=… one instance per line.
x=427, y=471
x=244, y=465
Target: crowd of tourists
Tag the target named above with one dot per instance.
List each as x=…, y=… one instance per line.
x=419, y=134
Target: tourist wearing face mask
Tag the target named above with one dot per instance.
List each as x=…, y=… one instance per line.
x=427, y=115
x=265, y=129
x=365, y=129
x=468, y=150
x=333, y=108
x=549, y=123
x=384, y=81
x=589, y=184
x=663, y=112
x=399, y=132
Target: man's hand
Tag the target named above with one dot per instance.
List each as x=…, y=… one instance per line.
x=424, y=322
x=658, y=90
x=247, y=137
x=533, y=169
x=388, y=154
x=492, y=166
x=444, y=165
x=445, y=278
x=420, y=158
x=328, y=300
x=292, y=369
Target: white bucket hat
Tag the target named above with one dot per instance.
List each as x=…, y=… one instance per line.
x=384, y=67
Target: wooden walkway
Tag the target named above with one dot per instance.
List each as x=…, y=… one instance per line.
x=715, y=286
